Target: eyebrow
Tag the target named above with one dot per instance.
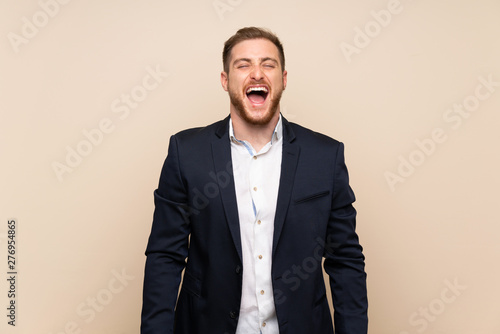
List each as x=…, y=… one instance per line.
x=262, y=60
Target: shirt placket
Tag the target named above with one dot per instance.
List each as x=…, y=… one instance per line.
x=258, y=198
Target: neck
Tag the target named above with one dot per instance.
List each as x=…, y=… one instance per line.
x=256, y=134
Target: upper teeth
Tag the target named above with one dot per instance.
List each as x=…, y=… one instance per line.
x=257, y=89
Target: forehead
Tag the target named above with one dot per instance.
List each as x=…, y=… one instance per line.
x=254, y=49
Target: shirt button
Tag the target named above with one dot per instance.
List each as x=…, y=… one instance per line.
x=260, y=257
x=259, y=222
x=254, y=188
x=263, y=324
x=261, y=292
x=255, y=157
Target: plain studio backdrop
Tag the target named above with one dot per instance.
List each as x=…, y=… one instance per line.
x=90, y=92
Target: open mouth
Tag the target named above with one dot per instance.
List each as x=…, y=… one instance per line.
x=257, y=94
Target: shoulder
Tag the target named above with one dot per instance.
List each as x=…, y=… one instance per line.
x=305, y=136
x=201, y=134
x=208, y=130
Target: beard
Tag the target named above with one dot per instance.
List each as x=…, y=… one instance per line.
x=237, y=101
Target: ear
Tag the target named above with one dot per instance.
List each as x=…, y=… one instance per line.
x=285, y=76
x=223, y=80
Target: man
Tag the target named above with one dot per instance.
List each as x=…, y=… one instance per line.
x=254, y=203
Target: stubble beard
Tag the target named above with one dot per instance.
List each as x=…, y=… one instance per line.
x=237, y=101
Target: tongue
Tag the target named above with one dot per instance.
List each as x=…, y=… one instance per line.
x=256, y=98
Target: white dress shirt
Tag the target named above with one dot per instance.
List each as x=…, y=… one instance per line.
x=256, y=179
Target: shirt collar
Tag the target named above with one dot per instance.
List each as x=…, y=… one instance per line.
x=277, y=134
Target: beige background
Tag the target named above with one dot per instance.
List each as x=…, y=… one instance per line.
x=436, y=225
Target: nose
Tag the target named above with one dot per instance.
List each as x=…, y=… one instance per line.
x=256, y=73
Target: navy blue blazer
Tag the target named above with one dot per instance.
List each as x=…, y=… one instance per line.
x=195, y=227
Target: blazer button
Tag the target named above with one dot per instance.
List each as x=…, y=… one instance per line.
x=233, y=315
x=238, y=270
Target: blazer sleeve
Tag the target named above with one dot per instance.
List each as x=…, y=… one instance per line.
x=167, y=248
x=344, y=259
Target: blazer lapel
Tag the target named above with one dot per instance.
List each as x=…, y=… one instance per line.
x=288, y=168
x=221, y=153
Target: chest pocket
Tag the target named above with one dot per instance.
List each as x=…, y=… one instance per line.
x=311, y=197
x=314, y=210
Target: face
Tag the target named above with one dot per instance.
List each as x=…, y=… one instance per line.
x=255, y=81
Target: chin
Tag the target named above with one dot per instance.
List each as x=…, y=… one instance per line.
x=259, y=118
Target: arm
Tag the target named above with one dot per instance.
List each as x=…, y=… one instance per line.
x=344, y=260
x=167, y=248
